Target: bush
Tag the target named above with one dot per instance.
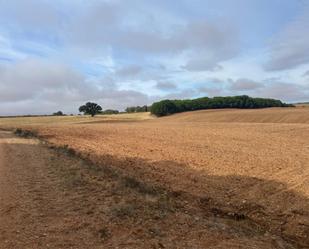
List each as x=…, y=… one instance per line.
x=25, y=133
x=166, y=107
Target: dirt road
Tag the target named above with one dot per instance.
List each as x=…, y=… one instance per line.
x=49, y=199
x=32, y=203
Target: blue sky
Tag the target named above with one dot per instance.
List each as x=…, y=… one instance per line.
x=55, y=55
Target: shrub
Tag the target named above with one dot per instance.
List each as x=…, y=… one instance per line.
x=25, y=133
x=143, y=188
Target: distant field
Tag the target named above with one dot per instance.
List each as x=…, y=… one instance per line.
x=269, y=115
x=60, y=120
x=298, y=115
x=302, y=104
x=256, y=161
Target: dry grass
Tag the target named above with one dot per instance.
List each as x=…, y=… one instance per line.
x=303, y=105
x=67, y=120
x=296, y=115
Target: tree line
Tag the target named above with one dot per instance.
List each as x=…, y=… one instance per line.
x=166, y=107
x=131, y=109
x=93, y=109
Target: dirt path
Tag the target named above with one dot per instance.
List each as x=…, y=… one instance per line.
x=18, y=188
x=50, y=199
x=35, y=211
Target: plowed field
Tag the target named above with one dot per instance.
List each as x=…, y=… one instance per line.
x=251, y=164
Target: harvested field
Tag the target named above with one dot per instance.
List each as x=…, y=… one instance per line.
x=9, y=122
x=298, y=115
x=249, y=164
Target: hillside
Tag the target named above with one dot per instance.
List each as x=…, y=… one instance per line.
x=298, y=115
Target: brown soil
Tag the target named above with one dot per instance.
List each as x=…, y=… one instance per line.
x=52, y=199
x=298, y=115
x=252, y=177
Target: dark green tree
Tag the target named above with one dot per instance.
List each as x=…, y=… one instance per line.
x=163, y=108
x=58, y=113
x=90, y=108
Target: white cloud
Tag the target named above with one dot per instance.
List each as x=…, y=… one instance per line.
x=291, y=92
x=26, y=79
x=122, y=53
x=183, y=94
x=165, y=85
x=244, y=85
x=284, y=91
x=129, y=71
x=211, y=91
x=52, y=87
x=290, y=48
x=306, y=74
x=7, y=52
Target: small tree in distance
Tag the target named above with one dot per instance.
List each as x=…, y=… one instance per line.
x=90, y=108
x=58, y=113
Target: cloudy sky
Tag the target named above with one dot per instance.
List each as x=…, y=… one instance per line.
x=58, y=54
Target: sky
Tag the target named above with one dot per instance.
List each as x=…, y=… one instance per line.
x=59, y=54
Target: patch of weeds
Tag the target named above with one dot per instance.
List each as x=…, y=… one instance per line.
x=157, y=208
x=164, y=206
x=124, y=211
x=18, y=131
x=67, y=150
x=155, y=232
x=76, y=182
x=176, y=194
x=25, y=133
x=108, y=171
x=104, y=233
x=141, y=187
x=231, y=215
x=74, y=179
x=236, y=216
x=205, y=201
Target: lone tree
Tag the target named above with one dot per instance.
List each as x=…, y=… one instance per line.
x=58, y=113
x=90, y=108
